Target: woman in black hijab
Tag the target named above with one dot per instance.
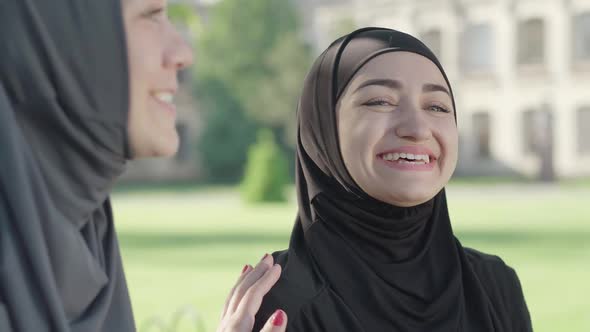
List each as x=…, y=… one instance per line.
x=372, y=248
x=74, y=106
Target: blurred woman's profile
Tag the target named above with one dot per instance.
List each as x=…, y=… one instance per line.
x=85, y=86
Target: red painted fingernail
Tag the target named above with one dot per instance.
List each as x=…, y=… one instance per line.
x=263, y=257
x=245, y=268
x=279, y=318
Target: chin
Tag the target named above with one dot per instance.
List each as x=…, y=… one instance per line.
x=160, y=148
x=408, y=198
x=167, y=149
x=167, y=153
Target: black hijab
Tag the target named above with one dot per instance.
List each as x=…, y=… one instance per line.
x=387, y=268
x=63, y=127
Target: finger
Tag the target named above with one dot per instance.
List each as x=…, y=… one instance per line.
x=252, y=300
x=276, y=323
x=239, y=325
x=247, y=268
x=247, y=282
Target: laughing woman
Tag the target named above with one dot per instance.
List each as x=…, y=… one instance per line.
x=372, y=248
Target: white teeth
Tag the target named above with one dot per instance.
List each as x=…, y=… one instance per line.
x=165, y=97
x=418, y=159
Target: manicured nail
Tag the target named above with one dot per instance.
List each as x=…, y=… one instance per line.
x=245, y=268
x=279, y=318
x=263, y=257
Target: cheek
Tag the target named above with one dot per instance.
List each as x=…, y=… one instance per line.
x=144, y=63
x=144, y=53
x=449, y=140
x=358, y=135
x=453, y=142
x=347, y=138
x=136, y=131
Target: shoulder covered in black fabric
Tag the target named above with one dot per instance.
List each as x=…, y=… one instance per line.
x=489, y=267
x=494, y=274
x=503, y=287
x=477, y=257
x=295, y=288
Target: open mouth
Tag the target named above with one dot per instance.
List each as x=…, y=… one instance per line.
x=409, y=158
x=406, y=158
x=166, y=99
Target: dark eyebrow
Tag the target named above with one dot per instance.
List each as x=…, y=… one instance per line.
x=397, y=85
x=388, y=83
x=429, y=87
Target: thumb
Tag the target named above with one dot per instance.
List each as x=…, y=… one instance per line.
x=276, y=323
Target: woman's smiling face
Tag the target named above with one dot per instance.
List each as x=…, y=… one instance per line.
x=156, y=53
x=397, y=131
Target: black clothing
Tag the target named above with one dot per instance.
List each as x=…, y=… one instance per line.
x=63, y=134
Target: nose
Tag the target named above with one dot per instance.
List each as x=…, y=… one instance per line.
x=413, y=125
x=179, y=53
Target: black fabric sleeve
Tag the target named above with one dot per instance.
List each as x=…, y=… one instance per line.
x=521, y=319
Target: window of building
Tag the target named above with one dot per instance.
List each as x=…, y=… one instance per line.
x=583, y=129
x=477, y=48
x=531, y=42
x=529, y=130
x=433, y=39
x=482, y=133
x=581, y=37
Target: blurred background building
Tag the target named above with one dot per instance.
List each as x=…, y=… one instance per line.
x=520, y=70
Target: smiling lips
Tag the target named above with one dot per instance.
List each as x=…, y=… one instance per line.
x=166, y=99
x=410, y=158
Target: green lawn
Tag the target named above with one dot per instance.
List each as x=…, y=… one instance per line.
x=185, y=249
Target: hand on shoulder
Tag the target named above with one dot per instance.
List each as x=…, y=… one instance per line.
x=245, y=299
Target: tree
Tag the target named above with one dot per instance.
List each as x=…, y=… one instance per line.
x=185, y=16
x=253, y=47
x=227, y=134
x=275, y=101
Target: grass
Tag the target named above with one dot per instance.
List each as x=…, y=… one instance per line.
x=186, y=248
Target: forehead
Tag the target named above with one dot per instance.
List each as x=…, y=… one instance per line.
x=407, y=67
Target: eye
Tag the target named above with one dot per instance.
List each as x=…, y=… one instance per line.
x=156, y=13
x=438, y=109
x=379, y=102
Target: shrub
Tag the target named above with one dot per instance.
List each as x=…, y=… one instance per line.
x=267, y=171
